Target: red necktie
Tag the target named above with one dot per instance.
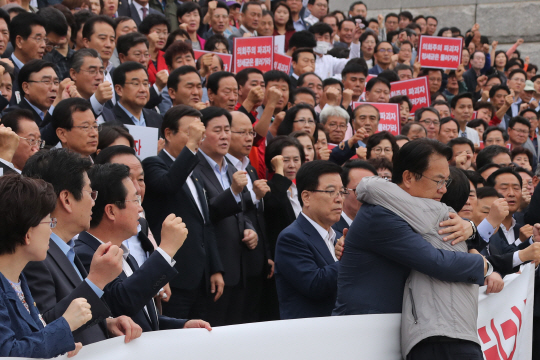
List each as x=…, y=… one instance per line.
x=144, y=11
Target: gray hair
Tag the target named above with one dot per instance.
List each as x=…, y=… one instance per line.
x=78, y=58
x=333, y=111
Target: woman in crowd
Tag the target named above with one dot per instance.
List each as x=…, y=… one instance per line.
x=189, y=13
x=25, y=228
x=217, y=43
x=112, y=134
x=299, y=117
x=479, y=125
x=321, y=145
x=384, y=167
x=522, y=157
x=498, y=63
x=465, y=58
x=176, y=35
x=368, y=43
x=156, y=28
x=382, y=144
x=307, y=142
x=109, y=7
x=405, y=107
x=283, y=24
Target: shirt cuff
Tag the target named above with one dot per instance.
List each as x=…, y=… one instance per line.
x=236, y=197
x=166, y=256
x=156, y=88
x=51, y=109
x=96, y=106
x=354, y=51
x=97, y=290
x=516, y=261
x=254, y=198
x=485, y=230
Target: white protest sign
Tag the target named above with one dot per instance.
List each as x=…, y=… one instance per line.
x=146, y=140
x=279, y=44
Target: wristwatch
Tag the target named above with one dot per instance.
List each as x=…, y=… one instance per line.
x=489, y=269
x=474, y=231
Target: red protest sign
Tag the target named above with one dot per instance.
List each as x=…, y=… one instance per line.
x=253, y=52
x=227, y=58
x=440, y=52
x=417, y=90
x=389, y=116
x=282, y=63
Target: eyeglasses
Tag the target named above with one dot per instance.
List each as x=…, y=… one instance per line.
x=518, y=80
x=353, y=190
x=34, y=142
x=87, y=128
x=39, y=39
x=340, y=126
x=521, y=131
x=137, y=201
x=47, y=82
x=304, y=121
x=244, y=133
x=333, y=193
x=94, y=72
x=378, y=151
x=430, y=122
x=93, y=194
x=138, y=84
x=386, y=50
x=52, y=223
x=440, y=183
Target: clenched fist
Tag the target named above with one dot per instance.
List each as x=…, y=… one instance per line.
x=498, y=212
x=173, y=234
x=239, y=180
x=106, y=265
x=78, y=313
x=260, y=187
x=104, y=92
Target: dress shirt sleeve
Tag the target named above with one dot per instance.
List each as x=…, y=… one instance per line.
x=96, y=106
x=166, y=256
x=97, y=290
x=156, y=88
x=236, y=197
x=516, y=261
x=485, y=230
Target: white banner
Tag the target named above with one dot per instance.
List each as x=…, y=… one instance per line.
x=504, y=321
x=146, y=140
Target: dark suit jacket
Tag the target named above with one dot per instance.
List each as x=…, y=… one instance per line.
x=278, y=211
x=15, y=85
x=6, y=169
x=498, y=245
x=381, y=250
x=55, y=284
x=134, y=14
x=128, y=295
x=167, y=192
x=340, y=225
x=229, y=223
x=45, y=126
x=470, y=77
x=22, y=334
x=306, y=273
x=152, y=118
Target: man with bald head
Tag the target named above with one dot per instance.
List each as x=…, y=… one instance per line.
x=260, y=258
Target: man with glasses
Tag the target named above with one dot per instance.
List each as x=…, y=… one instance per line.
x=317, y=9
x=28, y=36
x=21, y=122
x=516, y=82
x=473, y=77
x=57, y=48
x=430, y=119
x=383, y=57
x=132, y=86
x=306, y=264
x=61, y=277
x=76, y=127
x=518, y=134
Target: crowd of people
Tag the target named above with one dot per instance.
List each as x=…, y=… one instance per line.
x=271, y=196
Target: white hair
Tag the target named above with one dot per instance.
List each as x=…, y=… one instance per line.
x=333, y=111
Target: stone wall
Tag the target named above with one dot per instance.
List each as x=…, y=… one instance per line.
x=501, y=20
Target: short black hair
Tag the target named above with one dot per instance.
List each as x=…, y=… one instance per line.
x=389, y=15
x=105, y=156
x=460, y=141
x=458, y=97
x=127, y=41
x=484, y=105
x=414, y=157
x=517, y=71
x=486, y=155
x=474, y=177
x=81, y=17
x=307, y=178
x=376, y=139
x=519, y=120
x=321, y=28
x=25, y=202
x=174, y=77
x=22, y=24
x=353, y=68
x=487, y=167
x=355, y=164
x=107, y=180
x=187, y=7
x=301, y=90
x=496, y=88
x=62, y=168
x=400, y=99
x=457, y=193
x=63, y=112
x=31, y=67
x=171, y=38
x=331, y=81
x=389, y=75
x=446, y=120
x=492, y=179
x=152, y=20
x=377, y=80
x=408, y=126
x=275, y=147
x=171, y=119
x=243, y=75
x=432, y=17
x=11, y=118
x=119, y=74
x=212, y=82
x=494, y=128
x=212, y=112
x=340, y=24
x=88, y=29
x=110, y=132
x=520, y=150
x=407, y=15
x=246, y=5
x=418, y=113
x=276, y=75
x=212, y=41
x=487, y=191
x=302, y=39
x=178, y=47
x=4, y=15
x=55, y=21
x=301, y=50
x=527, y=111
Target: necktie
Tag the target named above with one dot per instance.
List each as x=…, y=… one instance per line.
x=144, y=11
x=464, y=134
x=71, y=258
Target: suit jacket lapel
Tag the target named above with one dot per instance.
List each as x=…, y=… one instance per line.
x=315, y=239
x=10, y=293
x=202, y=196
x=207, y=170
x=63, y=263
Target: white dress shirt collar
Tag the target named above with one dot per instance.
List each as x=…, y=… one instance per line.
x=5, y=162
x=328, y=236
x=240, y=164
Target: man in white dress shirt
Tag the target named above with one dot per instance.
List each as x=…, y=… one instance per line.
x=462, y=111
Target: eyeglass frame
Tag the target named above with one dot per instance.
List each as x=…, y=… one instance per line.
x=341, y=192
x=30, y=141
x=48, y=82
x=440, y=183
x=93, y=194
x=52, y=223
x=86, y=128
x=244, y=133
x=137, y=200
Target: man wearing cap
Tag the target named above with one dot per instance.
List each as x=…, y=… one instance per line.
x=527, y=95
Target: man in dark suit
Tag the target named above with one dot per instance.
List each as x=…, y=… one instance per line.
x=353, y=172
x=303, y=61
x=172, y=186
x=478, y=60
x=115, y=218
x=234, y=231
x=306, y=266
x=382, y=248
x=137, y=10
x=61, y=277
x=131, y=84
x=259, y=263
x=9, y=142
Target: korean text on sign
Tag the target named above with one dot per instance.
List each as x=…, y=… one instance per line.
x=253, y=52
x=440, y=52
